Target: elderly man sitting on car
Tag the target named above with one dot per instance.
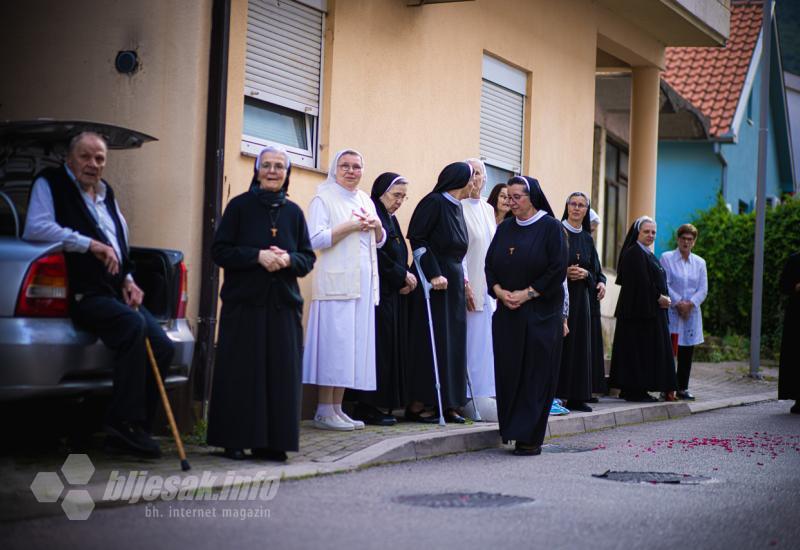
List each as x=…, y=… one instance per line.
x=73, y=205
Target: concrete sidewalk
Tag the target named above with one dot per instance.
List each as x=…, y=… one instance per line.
x=321, y=452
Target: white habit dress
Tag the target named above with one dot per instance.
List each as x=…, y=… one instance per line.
x=340, y=338
x=479, y=217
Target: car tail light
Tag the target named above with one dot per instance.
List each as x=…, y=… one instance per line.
x=44, y=292
x=183, y=293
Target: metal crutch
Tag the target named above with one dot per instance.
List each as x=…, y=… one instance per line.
x=472, y=394
x=426, y=288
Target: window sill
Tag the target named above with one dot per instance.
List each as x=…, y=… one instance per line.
x=310, y=169
x=295, y=166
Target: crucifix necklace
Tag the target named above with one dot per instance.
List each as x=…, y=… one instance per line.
x=511, y=250
x=274, y=220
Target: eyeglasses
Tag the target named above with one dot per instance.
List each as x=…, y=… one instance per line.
x=398, y=196
x=517, y=197
x=350, y=167
x=687, y=238
x=578, y=205
x=278, y=167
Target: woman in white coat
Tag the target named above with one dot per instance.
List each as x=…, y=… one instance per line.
x=480, y=220
x=340, y=341
x=688, y=286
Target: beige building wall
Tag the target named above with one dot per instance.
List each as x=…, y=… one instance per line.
x=402, y=85
x=58, y=62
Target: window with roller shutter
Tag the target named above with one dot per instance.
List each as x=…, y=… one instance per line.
x=283, y=74
x=503, y=92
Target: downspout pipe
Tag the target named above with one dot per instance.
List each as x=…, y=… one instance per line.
x=212, y=199
x=724, y=162
x=761, y=192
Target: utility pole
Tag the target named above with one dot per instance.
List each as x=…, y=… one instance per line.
x=761, y=194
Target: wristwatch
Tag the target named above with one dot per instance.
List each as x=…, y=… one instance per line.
x=531, y=293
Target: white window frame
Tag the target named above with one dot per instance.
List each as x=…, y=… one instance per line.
x=501, y=74
x=309, y=156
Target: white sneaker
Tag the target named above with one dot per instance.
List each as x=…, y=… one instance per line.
x=332, y=423
x=357, y=424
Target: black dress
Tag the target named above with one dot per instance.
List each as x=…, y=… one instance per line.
x=789, y=379
x=575, y=374
x=527, y=341
x=391, y=320
x=599, y=383
x=641, y=358
x=438, y=225
x=255, y=400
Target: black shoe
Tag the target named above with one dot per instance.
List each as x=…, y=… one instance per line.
x=234, y=454
x=451, y=416
x=796, y=408
x=524, y=449
x=421, y=416
x=131, y=436
x=269, y=454
x=372, y=416
x=578, y=406
x=685, y=395
x=640, y=398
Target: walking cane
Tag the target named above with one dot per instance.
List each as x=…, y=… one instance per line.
x=160, y=383
x=426, y=288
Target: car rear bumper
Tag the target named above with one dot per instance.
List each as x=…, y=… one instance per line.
x=41, y=357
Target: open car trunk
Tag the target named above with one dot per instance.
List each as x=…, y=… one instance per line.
x=157, y=272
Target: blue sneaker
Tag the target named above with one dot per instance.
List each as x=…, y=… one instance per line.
x=557, y=410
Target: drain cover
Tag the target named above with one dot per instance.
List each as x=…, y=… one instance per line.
x=462, y=500
x=652, y=477
x=553, y=448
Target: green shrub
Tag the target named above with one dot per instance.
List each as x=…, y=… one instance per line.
x=726, y=242
x=731, y=347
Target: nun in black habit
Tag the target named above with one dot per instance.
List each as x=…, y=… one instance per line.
x=641, y=357
x=525, y=268
x=263, y=246
x=584, y=278
x=391, y=315
x=437, y=226
x=789, y=379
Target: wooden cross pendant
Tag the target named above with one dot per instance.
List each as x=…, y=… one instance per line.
x=511, y=250
x=274, y=231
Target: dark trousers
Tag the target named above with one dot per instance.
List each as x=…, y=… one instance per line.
x=684, y=366
x=123, y=330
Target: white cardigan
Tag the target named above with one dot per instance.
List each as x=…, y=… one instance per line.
x=337, y=273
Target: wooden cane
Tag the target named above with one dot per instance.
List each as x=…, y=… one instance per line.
x=177, y=436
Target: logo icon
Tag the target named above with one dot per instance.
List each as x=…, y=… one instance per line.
x=77, y=503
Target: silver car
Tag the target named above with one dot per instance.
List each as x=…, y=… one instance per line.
x=41, y=351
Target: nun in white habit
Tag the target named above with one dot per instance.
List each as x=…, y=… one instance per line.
x=340, y=340
x=480, y=221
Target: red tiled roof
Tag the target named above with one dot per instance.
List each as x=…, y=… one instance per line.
x=712, y=78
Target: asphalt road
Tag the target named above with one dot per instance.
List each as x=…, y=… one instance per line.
x=752, y=500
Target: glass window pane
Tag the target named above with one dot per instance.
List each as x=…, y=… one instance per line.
x=623, y=164
x=274, y=123
x=622, y=216
x=494, y=176
x=612, y=157
x=610, y=225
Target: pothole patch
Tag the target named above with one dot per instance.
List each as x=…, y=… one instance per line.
x=554, y=448
x=669, y=478
x=462, y=500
